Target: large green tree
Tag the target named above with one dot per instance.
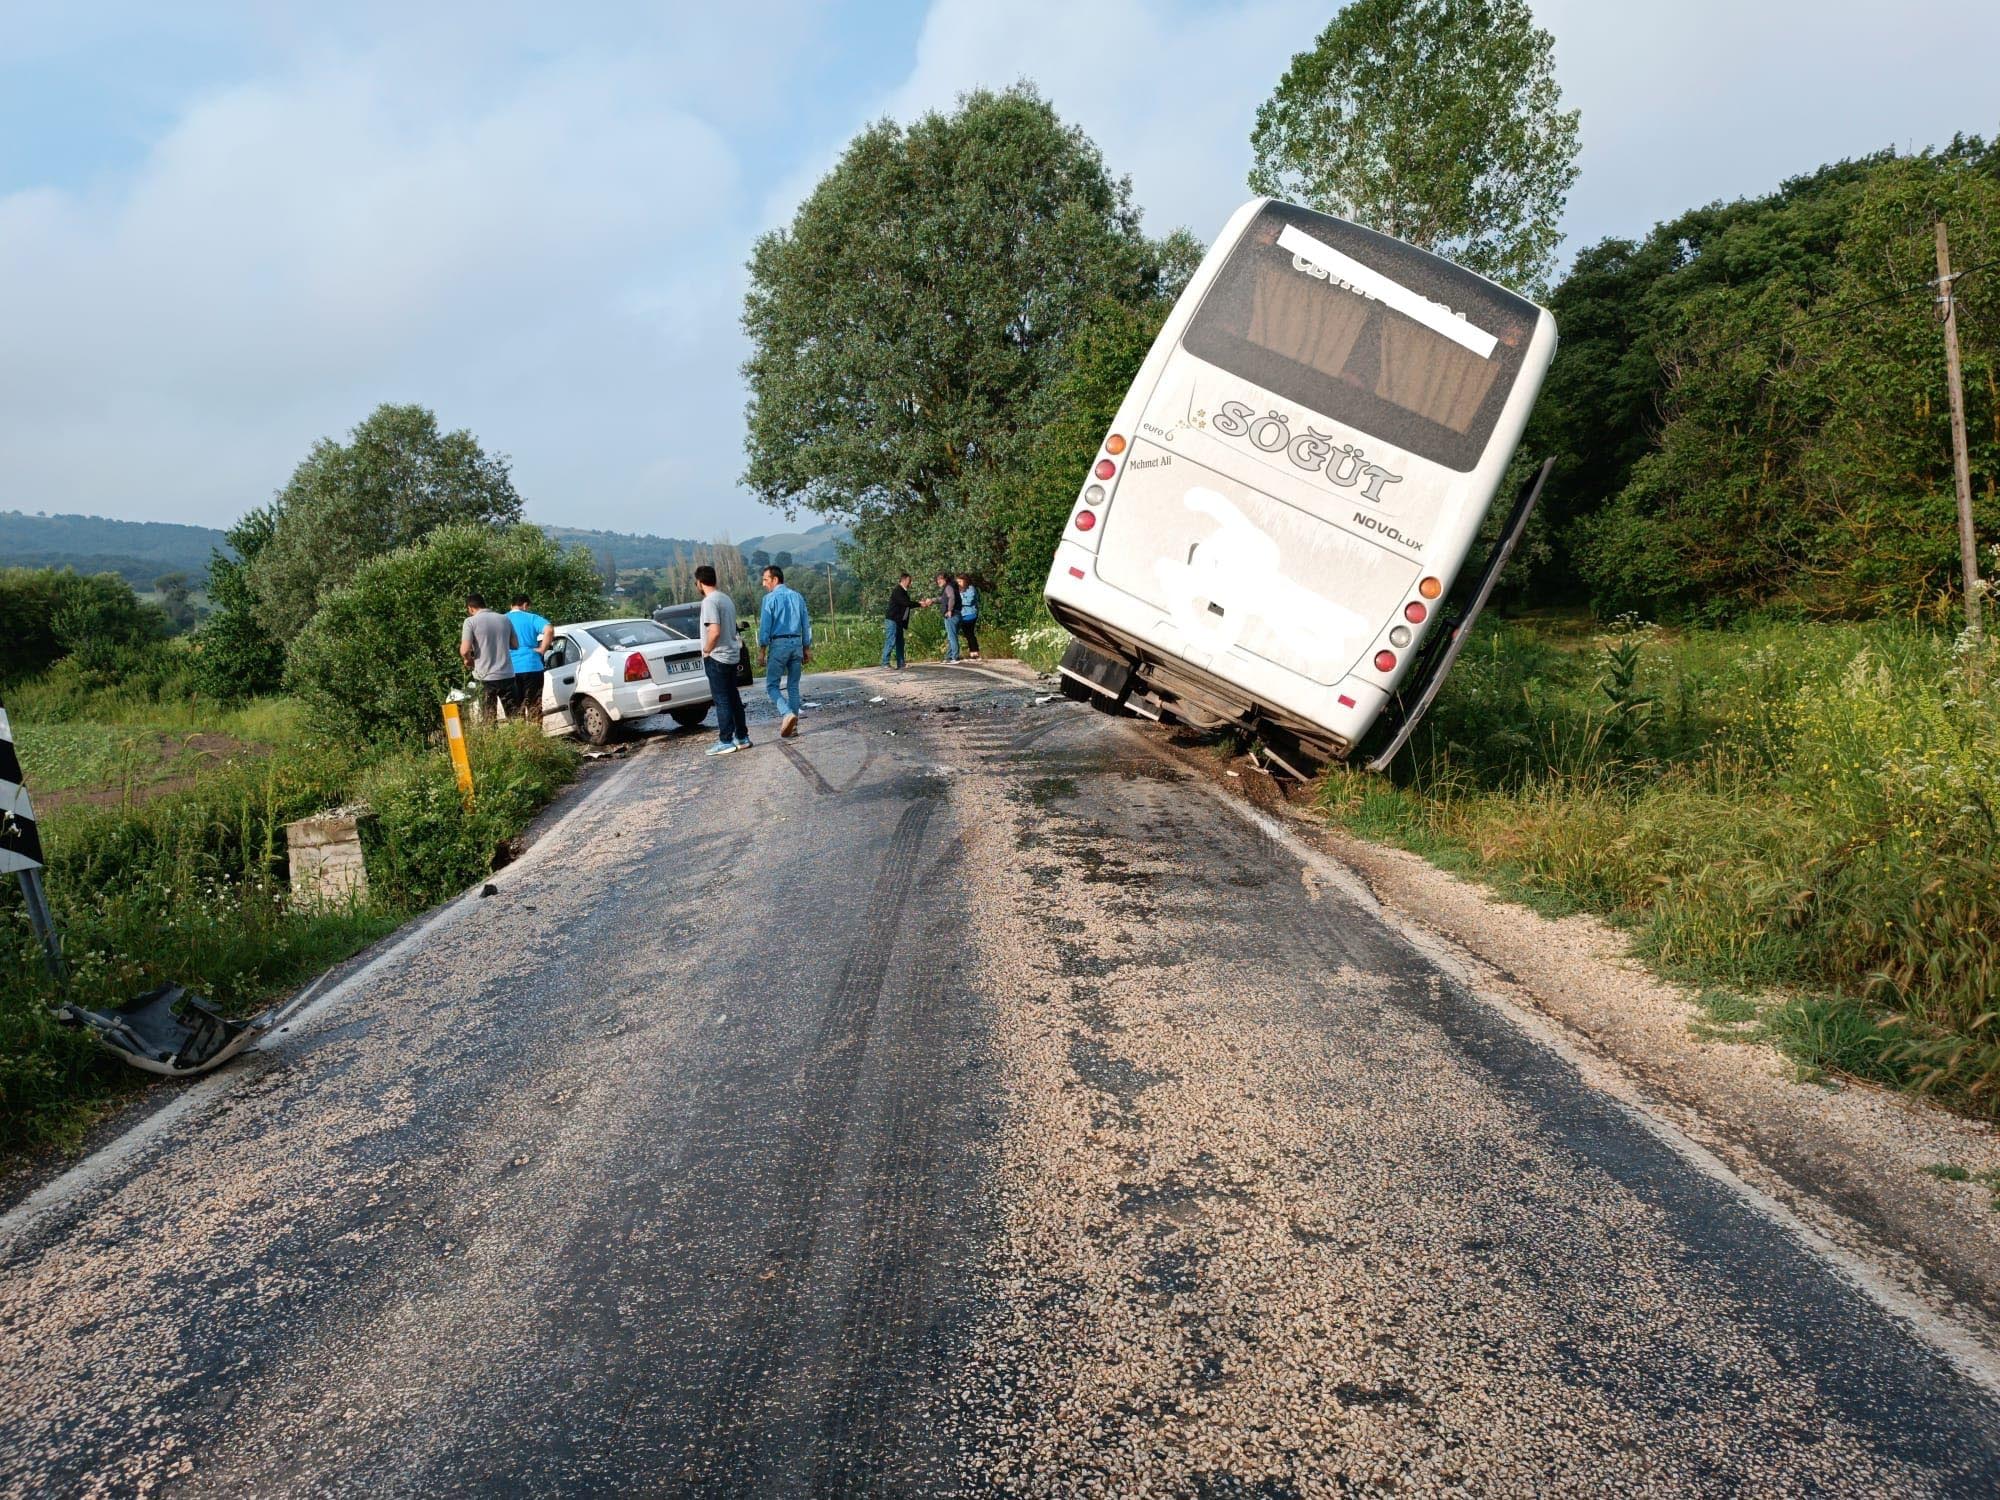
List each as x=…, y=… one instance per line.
x=905, y=322
x=395, y=479
x=1437, y=121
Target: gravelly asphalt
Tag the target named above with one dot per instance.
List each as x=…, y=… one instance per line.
x=955, y=1099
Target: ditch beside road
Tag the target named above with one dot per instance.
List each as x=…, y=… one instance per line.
x=962, y=1097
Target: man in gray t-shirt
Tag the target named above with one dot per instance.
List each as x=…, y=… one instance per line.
x=721, y=649
x=486, y=646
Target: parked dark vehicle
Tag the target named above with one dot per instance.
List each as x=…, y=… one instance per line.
x=685, y=620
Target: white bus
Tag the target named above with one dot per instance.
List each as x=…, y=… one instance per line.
x=1283, y=505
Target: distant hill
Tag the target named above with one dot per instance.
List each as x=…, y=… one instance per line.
x=819, y=544
x=139, y=551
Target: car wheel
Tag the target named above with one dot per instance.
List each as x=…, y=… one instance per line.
x=591, y=718
x=690, y=718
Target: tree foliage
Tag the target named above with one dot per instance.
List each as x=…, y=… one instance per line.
x=47, y=614
x=234, y=655
x=1437, y=121
x=395, y=479
x=926, y=293
x=1748, y=409
x=381, y=652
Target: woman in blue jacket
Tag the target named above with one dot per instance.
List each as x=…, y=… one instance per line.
x=968, y=615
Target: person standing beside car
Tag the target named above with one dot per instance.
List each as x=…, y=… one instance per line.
x=486, y=646
x=534, y=637
x=720, y=651
x=784, y=635
x=949, y=605
x=968, y=615
x=896, y=623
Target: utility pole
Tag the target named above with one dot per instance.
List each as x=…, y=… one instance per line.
x=1968, y=546
x=829, y=597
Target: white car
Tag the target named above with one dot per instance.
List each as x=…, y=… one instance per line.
x=601, y=673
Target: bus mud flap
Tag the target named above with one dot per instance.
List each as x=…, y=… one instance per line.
x=1086, y=674
x=167, y=1030
x=1440, y=653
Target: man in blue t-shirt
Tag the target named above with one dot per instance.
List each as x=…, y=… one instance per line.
x=785, y=636
x=532, y=636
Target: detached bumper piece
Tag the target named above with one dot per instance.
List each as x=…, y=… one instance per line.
x=167, y=1030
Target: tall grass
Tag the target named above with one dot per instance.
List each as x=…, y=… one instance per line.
x=190, y=888
x=1803, y=810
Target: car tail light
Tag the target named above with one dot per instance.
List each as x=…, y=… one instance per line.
x=1414, y=612
x=1430, y=588
x=1114, y=444
x=1385, y=661
x=1085, y=519
x=635, y=668
x=1105, y=468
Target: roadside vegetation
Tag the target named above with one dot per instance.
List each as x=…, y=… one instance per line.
x=1799, y=817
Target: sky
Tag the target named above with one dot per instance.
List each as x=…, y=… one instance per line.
x=229, y=230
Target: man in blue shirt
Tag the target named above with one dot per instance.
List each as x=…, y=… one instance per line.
x=532, y=636
x=785, y=636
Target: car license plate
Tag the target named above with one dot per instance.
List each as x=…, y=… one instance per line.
x=675, y=665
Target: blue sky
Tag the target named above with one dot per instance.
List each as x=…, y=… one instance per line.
x=227, y=230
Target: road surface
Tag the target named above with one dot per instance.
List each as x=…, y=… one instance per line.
x=960, y=1098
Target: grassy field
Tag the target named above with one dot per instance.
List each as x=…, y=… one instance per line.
x=177, y=871
x=847, y=642
x=1799, y=818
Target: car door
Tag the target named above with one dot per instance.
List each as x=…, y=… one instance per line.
x=559, y=684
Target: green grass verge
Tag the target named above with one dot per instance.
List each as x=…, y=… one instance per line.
x=189, y=887
x=1800, y=817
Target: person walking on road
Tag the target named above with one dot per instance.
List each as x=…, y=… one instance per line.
x=720, y=652
x=486, y=646
x=785, y=636
x=533, y=638
x=896, y=623
x=968, y=615
x=949, y=605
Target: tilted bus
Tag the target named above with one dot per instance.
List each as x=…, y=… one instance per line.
x=1282, y=507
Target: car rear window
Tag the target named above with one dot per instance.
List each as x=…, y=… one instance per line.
x=621, y=634
x=682, y=621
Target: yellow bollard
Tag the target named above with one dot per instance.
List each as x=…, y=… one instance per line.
x=454, y=739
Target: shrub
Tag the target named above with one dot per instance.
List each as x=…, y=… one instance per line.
x=382, y=653
x=48, y=614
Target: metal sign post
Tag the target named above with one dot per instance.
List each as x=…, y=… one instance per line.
x=21, y=848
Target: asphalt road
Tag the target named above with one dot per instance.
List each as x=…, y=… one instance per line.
x=959, y=1098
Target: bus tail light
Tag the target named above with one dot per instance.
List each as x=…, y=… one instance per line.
x=1400, y=636
x=1093, y=494
x=1414, y=612
x=635, y=668
x=1105, y=468
x=1075, y=572
x=1114, y=444
x=1430, y=588
x=1085, y=519
x=1385, y=661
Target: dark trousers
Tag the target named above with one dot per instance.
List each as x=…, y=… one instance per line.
x=499, y=690
x=729, y=719
x=968, y=632
x=528, y=685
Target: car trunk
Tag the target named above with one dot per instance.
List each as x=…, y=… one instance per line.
x=1230, y=567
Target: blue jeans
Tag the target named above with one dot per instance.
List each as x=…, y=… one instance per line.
x=787, y=660
x=728, y=699
x=892, y=642
x=951, y=637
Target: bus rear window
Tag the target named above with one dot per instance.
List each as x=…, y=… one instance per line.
x=1364, y=329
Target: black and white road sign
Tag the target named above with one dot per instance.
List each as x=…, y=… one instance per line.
x=20, y=843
